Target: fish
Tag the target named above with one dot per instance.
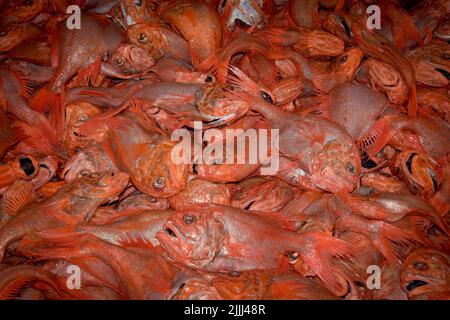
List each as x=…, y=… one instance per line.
x=306, y=142
x=146, y=157
x=134, y=284
x=79, y=200
x=219, y=239
x=79, y=53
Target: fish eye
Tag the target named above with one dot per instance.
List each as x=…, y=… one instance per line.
x=293, y=256
x=209, y=79
x=94, y=175
x=266, y=97
x=28, y=2
x=420, y=265
x=350, y=168
x=83, y=173
x=27, y=166
x=83, y=117
x=138, y=3
x=159, y=183
x=3, y=33
x=106, y=56
x=142, y=38
x=118, y=61
x=188, y=218
x=235, y=274
x=344, y=58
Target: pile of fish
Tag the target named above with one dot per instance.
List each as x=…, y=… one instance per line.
x=355, y=96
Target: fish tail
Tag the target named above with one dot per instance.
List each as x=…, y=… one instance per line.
x=376, y=138
x=390, y=240
x=318, y=253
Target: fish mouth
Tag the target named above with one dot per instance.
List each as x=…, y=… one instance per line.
x=214, y=122
x=415, y=284
x=170, y=232
x=444, y=72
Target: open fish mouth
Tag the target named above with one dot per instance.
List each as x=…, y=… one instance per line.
x=170, y=232
x=415, y=284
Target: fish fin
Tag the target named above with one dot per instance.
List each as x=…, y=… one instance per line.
x=26, y=86
x=88, y=75
x=135, y=241
x=13, y=288
x=40, y=137
x=242, y=82
x=44, y=100
x=412, y=102
x=388, y=240
x=376, y=138
x=318, y=254
x=18, y=195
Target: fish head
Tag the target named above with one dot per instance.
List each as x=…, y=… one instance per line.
x=193, y=237
x=148, y=37
x=196, y=289
x=131, y=59
x=336, y=167
x=348, y=63
x=421, y=173
x=77, y=114
x=425, y=270
x=104, y=187
x=242, y=285
x=200, y=191
x=157, y=174
x=217, y=107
